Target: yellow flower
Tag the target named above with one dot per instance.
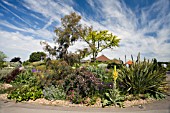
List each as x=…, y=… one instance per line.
x=115, y=73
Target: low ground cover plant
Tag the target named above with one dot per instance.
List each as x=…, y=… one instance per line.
x=54, y=92
x=26, y=86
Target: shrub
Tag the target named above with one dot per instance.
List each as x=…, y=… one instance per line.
x=2, y=58
x=112, y=97
x=25, y=63
x=14, y=64
x=61, y=69
x=104, y=74
x=37, y=56
x=81, y=84
x=4, y=72
x=142, y=78
x=25, y=92
x=38, y=63
x=25, y=78
x=54, y=93
x=11, y=76
x=27, y=86
x=41, y=68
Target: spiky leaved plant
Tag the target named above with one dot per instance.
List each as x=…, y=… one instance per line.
x=143, y=78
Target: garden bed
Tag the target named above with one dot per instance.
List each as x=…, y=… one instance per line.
x=127, y=103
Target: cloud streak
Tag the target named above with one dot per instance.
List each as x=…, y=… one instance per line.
x=145, y=30
x=15, y=15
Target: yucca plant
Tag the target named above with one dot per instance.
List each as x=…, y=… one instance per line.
x=143, y=78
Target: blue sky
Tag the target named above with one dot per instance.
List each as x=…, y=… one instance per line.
x=142, y=25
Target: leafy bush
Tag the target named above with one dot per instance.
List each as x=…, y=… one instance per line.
x=54, y=93
x=142, y=78
x=61, y=69
x=25, y=92
x=104, y=74
x=25, y=63
x=4, y=72
x=72, y=58
x=38, y=63
x=112, y=97
x=11, y=76
x=14, y=64
x=41, y=68
x=27, y=86
x=25, y=78
x=80, y=84
x=37, y=56
x=2, y=58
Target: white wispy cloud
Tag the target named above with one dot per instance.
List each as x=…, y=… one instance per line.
x=15, y=44
x=123, y=22
x=41, y=33
x=9, y=4
x=15, y=15
x=52, y=10
x=117, y=17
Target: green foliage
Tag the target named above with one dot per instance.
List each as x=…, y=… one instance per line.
x=54, y=93
x=81, y=84
x=14, y=64
x=168, y=67
x=38, y=63
x=25, y=78
x=70, y=31
x=16, y=59
x=61, y=69
x=4, y=72
x=26, y=92
x=37, y=56
x=70, y=26
x=72, y=58
x=104, y=74
x=2, y=57
x=25, y=63
x=27, y=87
x=11, y=76
x=142, y=78
x=100, y=40
x=41, y=68
x=49, y=49
x=112, y=97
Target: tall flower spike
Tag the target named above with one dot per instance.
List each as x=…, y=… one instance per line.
x=115, y=73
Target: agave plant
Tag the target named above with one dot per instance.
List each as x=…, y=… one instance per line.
x=143, y=78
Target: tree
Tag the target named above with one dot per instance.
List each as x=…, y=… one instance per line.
x=2, y=58
x=16, y=59
x=37, y=56
x=49, y=49
x=100, y=40
x=70, y=31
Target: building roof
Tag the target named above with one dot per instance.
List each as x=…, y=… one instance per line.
x=102, y=58
x=129, y=62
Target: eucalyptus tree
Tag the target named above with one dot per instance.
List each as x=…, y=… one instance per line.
x=70, y=31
